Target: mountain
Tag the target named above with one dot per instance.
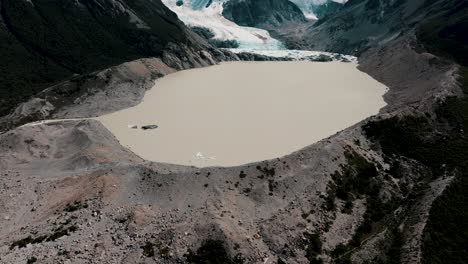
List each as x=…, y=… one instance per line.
x=363, y=23
x=207, y=16
x=317, y=9
x=262, y=13
x=46, y=42
x=389, y=189
x=326, y=9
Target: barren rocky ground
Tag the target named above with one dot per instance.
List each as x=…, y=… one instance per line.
x=70, y=193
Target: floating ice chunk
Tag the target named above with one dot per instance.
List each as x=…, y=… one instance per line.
x=200, y=156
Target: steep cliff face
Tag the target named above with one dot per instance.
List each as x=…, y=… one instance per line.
x=326, y=9
x=262, y=13
x=44, y=42
x=317, y=9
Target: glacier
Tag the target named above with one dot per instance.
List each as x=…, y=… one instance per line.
x=207, y=13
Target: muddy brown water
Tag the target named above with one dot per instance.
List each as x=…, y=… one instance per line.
x=241, y=112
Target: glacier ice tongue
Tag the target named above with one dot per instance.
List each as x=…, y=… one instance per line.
x=197, y=13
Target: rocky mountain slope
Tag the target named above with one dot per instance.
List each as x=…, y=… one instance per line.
x=262, y=14
x=326, y=9
x=318, y=9
x=363, y=23
x=46, y=42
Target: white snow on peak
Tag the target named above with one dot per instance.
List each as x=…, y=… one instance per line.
x=196, y=13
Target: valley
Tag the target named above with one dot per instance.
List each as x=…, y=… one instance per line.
x=233, y=131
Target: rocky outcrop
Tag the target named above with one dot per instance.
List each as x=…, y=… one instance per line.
x=262, y=13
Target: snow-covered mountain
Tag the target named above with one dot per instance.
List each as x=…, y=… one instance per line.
x=243, y=24
x=208, y=14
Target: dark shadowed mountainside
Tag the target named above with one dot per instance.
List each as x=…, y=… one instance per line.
x=327, y=9
x=263, y=13
x=364, y=23
x=45, y=42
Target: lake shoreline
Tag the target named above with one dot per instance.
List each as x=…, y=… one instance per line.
x=241, y=112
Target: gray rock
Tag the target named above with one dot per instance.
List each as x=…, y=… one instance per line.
x=147, y=127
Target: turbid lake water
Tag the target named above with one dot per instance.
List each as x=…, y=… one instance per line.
x=241, y=112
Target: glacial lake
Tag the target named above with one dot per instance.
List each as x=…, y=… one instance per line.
x=241, y=112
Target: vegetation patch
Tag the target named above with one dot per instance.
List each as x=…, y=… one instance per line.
x=313, y=248
x=342, y=254
x=212, y=252
x=443, y=151
x=356, y=178
x=31, y=260
x=77, y=205
x=58, y=233
x=393, y=255
x=149, y=250
x=359, y=178
x=267, y=171
x=22, y=243
x=62, y=231
x=272, y=185
x=242, y=174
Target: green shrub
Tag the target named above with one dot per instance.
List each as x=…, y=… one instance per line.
x=313, y=247
x=148, y=249
x=212, y=252
x=31, y=260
